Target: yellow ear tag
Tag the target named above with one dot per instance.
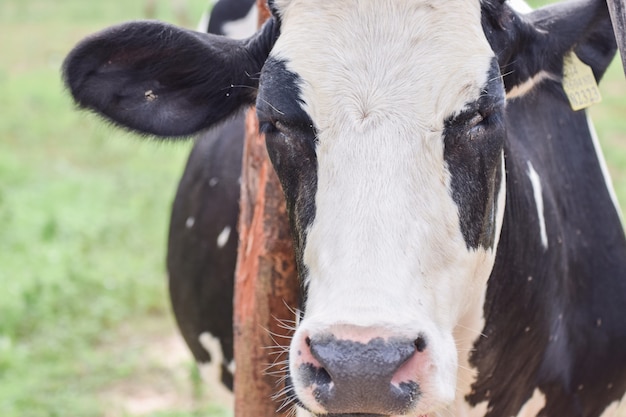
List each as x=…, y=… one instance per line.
x=579, y=83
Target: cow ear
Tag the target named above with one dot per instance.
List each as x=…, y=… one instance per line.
x=162, y=80
x=529, y=44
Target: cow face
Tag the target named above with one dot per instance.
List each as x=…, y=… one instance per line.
x=392, y=166
x=385, y=122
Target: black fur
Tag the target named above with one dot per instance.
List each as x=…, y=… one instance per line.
x=472, y=152
x=528, y=44
x=554, y=321
x=291, y=138
x=201, y=274
x=158, y=79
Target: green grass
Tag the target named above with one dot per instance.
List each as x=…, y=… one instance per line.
x=84, y=211
x=83, y=223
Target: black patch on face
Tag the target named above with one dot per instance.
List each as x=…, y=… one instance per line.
x=473, y=141
x=291, y=139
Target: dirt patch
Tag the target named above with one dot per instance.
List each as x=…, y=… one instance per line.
x=164, y=379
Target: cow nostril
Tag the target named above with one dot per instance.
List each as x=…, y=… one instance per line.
x=307, y=340
x=420, y=344
x=349, y=377
x=323, y=377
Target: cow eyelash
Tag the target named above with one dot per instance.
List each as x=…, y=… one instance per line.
x=476, y=120
x=477, y=124
x=267, y=127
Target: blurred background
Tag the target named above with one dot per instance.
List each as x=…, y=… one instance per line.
x=85, y=322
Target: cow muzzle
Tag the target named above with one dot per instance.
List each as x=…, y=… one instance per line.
x=349, y=372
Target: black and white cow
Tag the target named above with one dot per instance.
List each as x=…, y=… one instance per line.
x=232, y=18
x=202, y=247
x=459, y=249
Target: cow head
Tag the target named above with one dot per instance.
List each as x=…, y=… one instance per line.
x=385, y=121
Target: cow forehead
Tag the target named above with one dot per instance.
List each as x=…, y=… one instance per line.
x=366, y=61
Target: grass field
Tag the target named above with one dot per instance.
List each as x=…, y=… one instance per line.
x=83, y=221
x=85, y=326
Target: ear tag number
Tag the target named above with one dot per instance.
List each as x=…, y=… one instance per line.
x=579, y=83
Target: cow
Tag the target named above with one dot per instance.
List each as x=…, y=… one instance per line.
x=459, y=246
x=203, y=237
x=236, y=19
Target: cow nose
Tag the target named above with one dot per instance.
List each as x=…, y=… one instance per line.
x=374, y=377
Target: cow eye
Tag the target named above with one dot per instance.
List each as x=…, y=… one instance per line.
x=272, y=126
x=267, y=127
x=476, y=120
x=477, y=125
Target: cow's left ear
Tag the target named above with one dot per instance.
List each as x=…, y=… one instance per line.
x=527, y=44
x=162, y=80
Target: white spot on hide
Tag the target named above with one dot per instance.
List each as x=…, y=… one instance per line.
x=520, y=6
x=537, y=192
x=211, y=371
x=243, y=28
x=527, y=86
x=222, y=239
x=190, y=222
x=615, y=409
x=533, y=405
x=213, y=346
x=213, y=181
x=231, y=367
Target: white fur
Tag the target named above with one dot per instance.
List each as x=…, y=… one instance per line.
x=520, y=6
x=535, y=181
x=223, y=237
x=385, y=247
x=190, y=222
x=211, y=371
x=616, y=409
x=245, y=27
x=203, y=24
x=532, y=407
x=237, y=29
x=528, y=85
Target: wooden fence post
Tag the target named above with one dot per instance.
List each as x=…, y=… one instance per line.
x=618, y=17
x=265, y=282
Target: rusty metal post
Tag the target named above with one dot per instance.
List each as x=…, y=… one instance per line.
x=265, y=282
x=617, y=9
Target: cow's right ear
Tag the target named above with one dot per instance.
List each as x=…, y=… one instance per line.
x=162, y=80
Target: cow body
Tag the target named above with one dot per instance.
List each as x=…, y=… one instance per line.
x=203, y=236
x=459, y=250
x=544, y=291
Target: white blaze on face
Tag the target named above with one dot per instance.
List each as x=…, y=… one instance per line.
x=385, y=247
